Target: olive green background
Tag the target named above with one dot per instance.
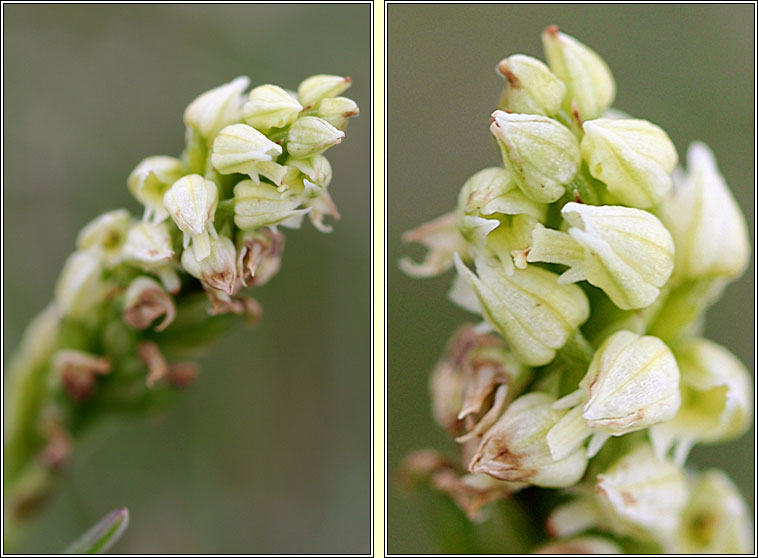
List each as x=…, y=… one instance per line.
x=688, y=68
x=270, y=450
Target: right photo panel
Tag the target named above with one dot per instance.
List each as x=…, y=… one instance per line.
x=570, y=279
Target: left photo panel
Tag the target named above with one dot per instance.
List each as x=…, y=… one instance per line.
x=187, y=278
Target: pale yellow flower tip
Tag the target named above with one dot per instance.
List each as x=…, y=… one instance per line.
x=316, y=168
x=494, y=190
x=541, y=153
x=590, y=84
x=191, y=203
x=216, y=108
x=626, y=252
x=259, y=205
x=531, y=87
x=643, y=496
x=707, y=224
x=717, y=400
x=632, y=383
x=148, y=245
x=105, y=235
x=338, y=111
x=533, y=312
x=311, y=135
x=634, y=158
x=514, y=448
x=270, y=106
x=149, y=181
x=240, y=148
x=318, y=87
x=588, y=544
x=80, y=287
x=715, y=520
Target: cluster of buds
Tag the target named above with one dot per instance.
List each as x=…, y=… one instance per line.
x=591, y=258
x=138, y=296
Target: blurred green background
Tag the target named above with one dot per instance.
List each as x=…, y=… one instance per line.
x=688, y=68
x=270, y=450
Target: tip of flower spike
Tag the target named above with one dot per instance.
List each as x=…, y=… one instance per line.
x=503, y=69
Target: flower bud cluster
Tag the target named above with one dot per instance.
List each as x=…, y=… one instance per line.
x=590, y=258
x=135, y=294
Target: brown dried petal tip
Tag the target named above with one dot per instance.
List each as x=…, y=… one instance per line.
x=77, y=372
x=58, y=448
x=259, y=257
x=182, y=374
x=157, y=366
x=146, y=301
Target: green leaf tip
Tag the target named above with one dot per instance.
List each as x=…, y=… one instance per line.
x=102, y=535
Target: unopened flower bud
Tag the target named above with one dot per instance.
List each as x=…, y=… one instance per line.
x=218, y=270
x=191, y=203
x=534, y=313
x=242, y=149
x=590, y=84
x=259, y=255
x=642, y=496
x=318, y=87
x=494, y=190
x=715, y=520
x=624, y=251
x=442, y=239
x=77, y=371
x=310, y=135
x=575, y=516
x=680, y=312
x=541, y=153
x=217, y=108
x=632, y=383
x=716, y=400
x=148, y=246
x=149, y=181
x=707, y=224
x=37, y=345
x=634, y=158
x=80, y=287
x=144, y=302
x=105, y=235
x=269, y=107
x=316, y=168
x=588, y=544
x=260, y=205
x=337, y=111
x=532, y=88
x=515, y=449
